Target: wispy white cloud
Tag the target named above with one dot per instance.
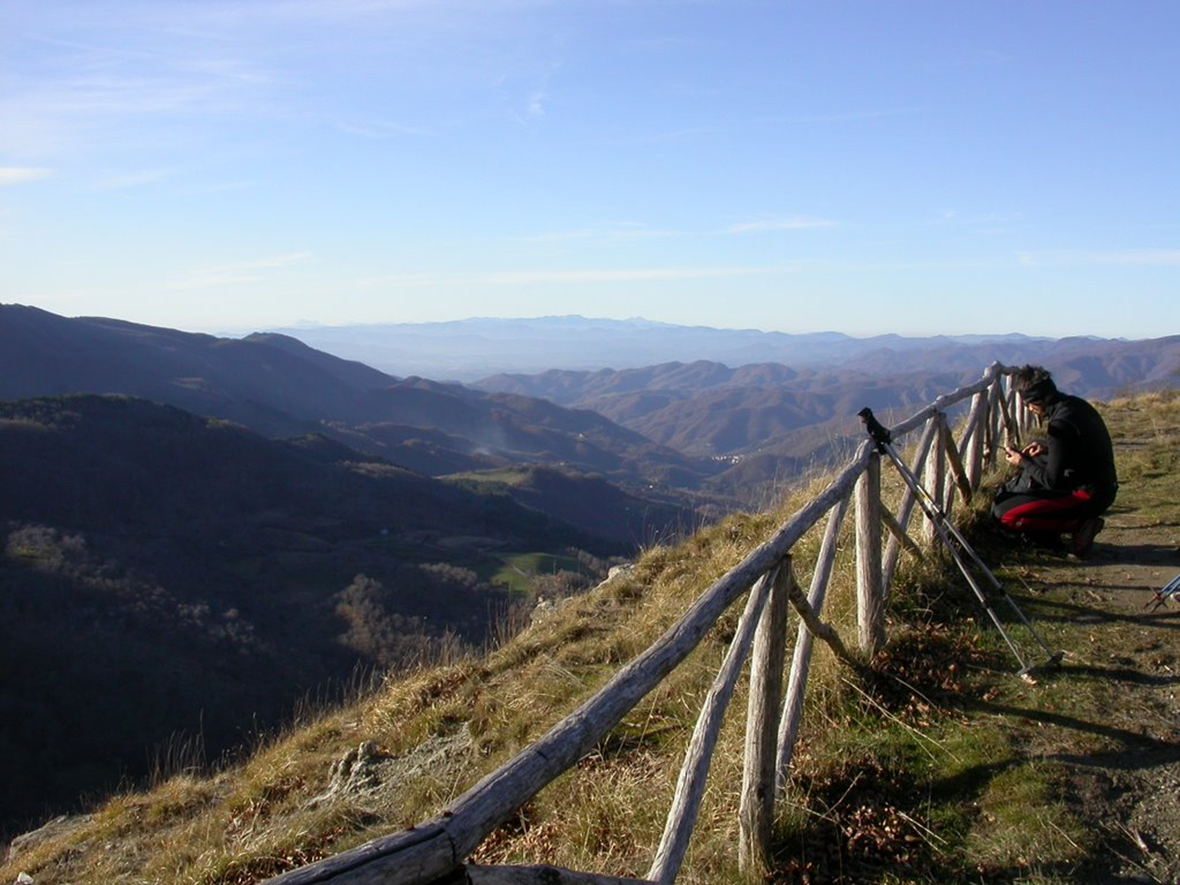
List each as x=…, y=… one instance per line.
x=667, y=137
x=533, y=277
x=853, y=116
x=288, y=10
x=10, y=175
x=88, y=92
x=763, y=225
x=377, y=129
x=148, y=77
x=1128, y=258
x=536, y=104
x=129, y=179
x=628, y=230
x=968, y=219
x=278, y=260
x=640, y=230
x=1138, y=257
x=96, y=80
x=238, y=273
x=617, y=276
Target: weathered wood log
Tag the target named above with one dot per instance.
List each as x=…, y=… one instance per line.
x=419, y=855
x=995, y=423
x=801, y=660
x=818, y=628
x=690, y=787
x=1012, y=431
x=756, y=811
x=908, y=501
x=935, y=479
x=971, y=445
x=869, y=595
x=958, y=473
x=436, y=847
x=942, y=404
x=1028, y=422
x=947, y=497
x=534, y=875
x=897, y=534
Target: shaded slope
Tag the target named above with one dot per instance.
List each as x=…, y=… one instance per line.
x=590, y=503
x=164, y=573
x=268, y=388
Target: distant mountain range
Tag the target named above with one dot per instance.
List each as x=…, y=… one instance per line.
x=695, y=433
x=767, y=403
x=469, y=350
x=280, y=387
x=706, y=408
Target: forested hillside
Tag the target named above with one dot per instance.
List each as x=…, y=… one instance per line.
x=170, y=577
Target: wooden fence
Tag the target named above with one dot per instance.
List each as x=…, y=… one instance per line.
x=435, y=851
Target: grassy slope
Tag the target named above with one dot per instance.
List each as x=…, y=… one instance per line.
x=933, y=768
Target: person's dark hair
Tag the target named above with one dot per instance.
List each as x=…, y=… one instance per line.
x=1034, y=384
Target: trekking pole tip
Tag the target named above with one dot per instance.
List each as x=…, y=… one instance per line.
x=1026, y=672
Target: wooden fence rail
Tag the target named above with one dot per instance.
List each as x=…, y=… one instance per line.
x=436, y=851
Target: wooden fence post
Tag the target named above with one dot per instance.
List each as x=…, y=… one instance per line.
x=756, y=815
x=995, y=422
x=436, y=847
x=534, y=875
x=690, y=787
x=1029, y=423
x=1012, y=432
x=958, y=478
x=869, y=595
x=801, y=661
x=971, y=447
x=936, y=477
x=908, y=501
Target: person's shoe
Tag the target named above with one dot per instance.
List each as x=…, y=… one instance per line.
x=1083, y=538
x=1044, y=542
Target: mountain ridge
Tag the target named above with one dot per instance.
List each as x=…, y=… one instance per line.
x=716, y=434
x=468, y=350
x=281, y=387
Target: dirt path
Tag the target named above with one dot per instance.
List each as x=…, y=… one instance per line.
x=1123, y=764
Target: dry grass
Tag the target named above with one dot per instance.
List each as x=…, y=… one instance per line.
x=258, y=818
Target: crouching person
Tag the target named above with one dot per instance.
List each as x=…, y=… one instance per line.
x=1068, y=481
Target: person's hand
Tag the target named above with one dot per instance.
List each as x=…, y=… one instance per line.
x=1012, y=456
x=1034, y=449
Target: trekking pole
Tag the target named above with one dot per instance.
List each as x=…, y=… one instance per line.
x=949, y=526
x=1162, y=596
x=955, y=543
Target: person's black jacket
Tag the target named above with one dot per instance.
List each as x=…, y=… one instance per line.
x=1080, y=454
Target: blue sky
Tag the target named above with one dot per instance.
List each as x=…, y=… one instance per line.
x=863, y=167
